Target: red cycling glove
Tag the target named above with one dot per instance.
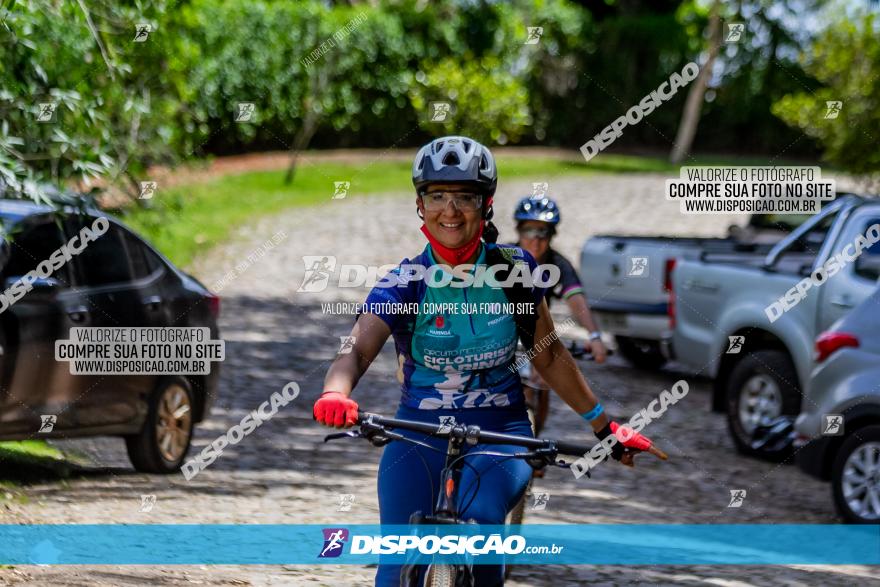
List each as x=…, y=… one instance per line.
x=630, y=438
x=626, y=436
x=334, y=409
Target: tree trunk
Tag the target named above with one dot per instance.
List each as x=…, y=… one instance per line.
x=301, y=141
x=311, y=118
x=687, y=129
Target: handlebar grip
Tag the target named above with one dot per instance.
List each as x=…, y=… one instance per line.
x=571, y=449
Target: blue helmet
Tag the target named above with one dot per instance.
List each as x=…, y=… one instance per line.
x=537, y=208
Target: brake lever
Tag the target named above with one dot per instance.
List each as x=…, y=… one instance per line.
x=564, y=465
x=539, y=458
x=378, y=435
x=346, y=434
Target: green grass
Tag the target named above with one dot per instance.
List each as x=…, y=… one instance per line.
x=33, y=461
x=29, y=460
x=186, y=220
x=193, y=218
x=33, y=450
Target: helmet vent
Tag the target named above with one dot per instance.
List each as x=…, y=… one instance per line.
x=484, y=163
x=467, y=146
x=437, y=146
x=451, y=158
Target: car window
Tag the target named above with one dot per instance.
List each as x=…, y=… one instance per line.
x=137, y=252
x=784, y=222
x=802, y=253
x=868, y=263
x=103, y=261
x=153, y=260
x=32, y=243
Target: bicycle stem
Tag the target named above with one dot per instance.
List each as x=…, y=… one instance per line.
x=449, y=479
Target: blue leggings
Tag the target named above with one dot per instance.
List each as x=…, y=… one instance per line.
x=407, y=483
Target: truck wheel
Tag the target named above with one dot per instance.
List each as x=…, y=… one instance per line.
x=163, y=442
x=761, y=387
x=855, y=477
x=644, y=354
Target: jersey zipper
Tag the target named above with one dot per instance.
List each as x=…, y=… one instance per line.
x=470, y=314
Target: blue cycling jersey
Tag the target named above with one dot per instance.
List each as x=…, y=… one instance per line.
x=456, y=351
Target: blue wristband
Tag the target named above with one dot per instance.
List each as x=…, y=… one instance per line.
x=593, y=414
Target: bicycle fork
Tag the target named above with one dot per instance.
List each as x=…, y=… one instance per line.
x=445, y=512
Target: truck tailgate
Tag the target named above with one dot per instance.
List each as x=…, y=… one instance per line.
x=627, y=269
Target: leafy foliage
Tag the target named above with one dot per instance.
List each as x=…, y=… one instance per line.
x=846, y=59
x=335, y=74
x=113, y=99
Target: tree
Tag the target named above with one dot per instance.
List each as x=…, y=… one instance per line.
x=844, y=114
x=81, y=100
x=494, y=110
x=687, y=129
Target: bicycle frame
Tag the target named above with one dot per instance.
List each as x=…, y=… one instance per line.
x=446, y=511
x=450, y=476
x=380, y=432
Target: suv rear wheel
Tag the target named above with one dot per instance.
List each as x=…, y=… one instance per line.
x=855, y=477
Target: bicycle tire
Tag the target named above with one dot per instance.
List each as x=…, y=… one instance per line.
x=441, y=576
x=517, y=514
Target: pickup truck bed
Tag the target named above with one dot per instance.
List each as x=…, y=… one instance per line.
x=633, y=306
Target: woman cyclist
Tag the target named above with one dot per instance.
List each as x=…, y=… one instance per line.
x=453, y=363
x=536, y=220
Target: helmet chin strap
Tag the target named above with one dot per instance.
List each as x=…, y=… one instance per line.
x=457, y=255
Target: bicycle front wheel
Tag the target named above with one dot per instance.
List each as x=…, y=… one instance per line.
x=441, y=576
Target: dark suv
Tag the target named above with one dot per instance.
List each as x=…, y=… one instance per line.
x=117, y=280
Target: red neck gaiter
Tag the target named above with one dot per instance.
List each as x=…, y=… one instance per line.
x=454, y=256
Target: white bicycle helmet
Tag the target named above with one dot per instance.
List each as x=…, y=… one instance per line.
x=455, y=160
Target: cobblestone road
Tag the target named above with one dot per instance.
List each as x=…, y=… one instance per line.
x=283, y=473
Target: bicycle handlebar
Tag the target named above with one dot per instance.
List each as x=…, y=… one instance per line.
x=578, y=352
x=473, y=434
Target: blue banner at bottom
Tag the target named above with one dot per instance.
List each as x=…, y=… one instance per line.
x=571, y=544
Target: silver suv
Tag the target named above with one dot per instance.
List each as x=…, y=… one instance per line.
x=839, y=427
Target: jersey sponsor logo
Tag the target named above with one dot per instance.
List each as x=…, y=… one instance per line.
x=450, y=400
x=499, y=319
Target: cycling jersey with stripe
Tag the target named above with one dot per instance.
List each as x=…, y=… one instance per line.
x=457, y=358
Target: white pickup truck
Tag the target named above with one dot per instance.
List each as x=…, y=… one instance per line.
x=742, y=319
x=628, y=281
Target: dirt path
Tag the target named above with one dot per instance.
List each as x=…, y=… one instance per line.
x=283, y=473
